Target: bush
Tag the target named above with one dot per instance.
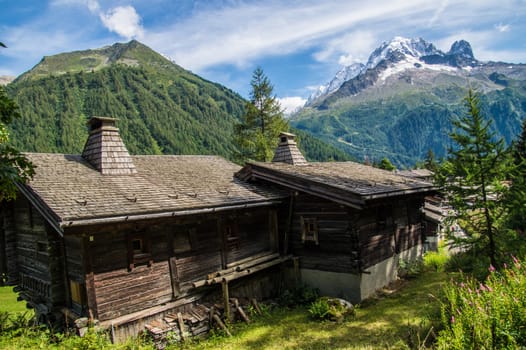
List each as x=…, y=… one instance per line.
x=331, y=309
x=409, y=268
x=437, y=260
x=485, y=315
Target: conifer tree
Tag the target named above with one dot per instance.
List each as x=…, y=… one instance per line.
x=14, y=167
x=256, y=136
x=517, y=195
x=472, y=178
x=386, y=164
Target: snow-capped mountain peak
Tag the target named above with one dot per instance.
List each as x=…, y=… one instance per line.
x=461, y=48
x=401, y=54
x=399, y=48
x=345, y=74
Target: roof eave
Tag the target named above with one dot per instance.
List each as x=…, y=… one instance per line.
x=41, y=207
x=329, y=192
x=164, y=214
x=321, y=190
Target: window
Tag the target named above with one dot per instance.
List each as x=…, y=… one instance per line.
x=78, y=296
x=41, y=247
x=181, y=241
x=309, y=230
x=139, y=251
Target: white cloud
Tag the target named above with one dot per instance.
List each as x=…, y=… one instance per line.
x=503, y=27
x=123, y=20
x=291, y=104
x=243, y=33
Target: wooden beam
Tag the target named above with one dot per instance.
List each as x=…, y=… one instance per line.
x=180, y=322
x=226, y=299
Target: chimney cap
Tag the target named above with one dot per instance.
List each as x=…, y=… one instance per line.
x=95, y=123
x=95, y=119
x=287, y=138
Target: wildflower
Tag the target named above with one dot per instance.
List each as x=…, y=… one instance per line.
x=452, y=319
x=491, y=268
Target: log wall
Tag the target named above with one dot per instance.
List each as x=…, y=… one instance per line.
x=8, y=264
x=351, y=240
x=179, y=251
x=337, y=249
x=39, y=259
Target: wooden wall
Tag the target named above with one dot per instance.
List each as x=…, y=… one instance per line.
x=389, y=227
x=180, y=251
x=39, y=258
x=8, y=264
x=337, y=249
x=351, y=240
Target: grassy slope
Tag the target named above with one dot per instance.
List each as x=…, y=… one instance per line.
x=384, y=322
x=8, y=301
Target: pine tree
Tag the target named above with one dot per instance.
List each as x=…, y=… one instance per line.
x=430, y=163
x=516, y=199
x=14, y=167
x=472, y=178
x=256, y=136
x=386, y=164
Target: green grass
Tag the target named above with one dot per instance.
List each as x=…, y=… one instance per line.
x=9, y=303
x=393, y=320
x=397, y=318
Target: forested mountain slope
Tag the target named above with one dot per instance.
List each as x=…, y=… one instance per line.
x=161, y=107
x=400, y=103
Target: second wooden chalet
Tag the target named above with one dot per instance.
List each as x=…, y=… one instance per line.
x=349, y=224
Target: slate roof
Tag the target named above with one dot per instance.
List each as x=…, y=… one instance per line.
x=73, y=192
x=348, y=183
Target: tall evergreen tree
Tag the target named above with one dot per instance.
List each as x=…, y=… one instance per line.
x=14, y=167
x=472, y=178
x=517, y=195
x=256, y=136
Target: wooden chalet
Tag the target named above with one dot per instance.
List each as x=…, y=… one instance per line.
x=349, y=224
x=127, y=239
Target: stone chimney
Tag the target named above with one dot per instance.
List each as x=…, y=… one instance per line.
x=287, y=151
x=105, y=150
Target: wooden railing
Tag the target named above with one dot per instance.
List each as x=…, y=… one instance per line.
x=35, y=285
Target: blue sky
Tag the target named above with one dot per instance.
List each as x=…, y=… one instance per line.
x=299, y=44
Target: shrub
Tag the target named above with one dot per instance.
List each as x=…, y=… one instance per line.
x=332, y=309
x=437, y=260
x=488, y=314
x=409, y=268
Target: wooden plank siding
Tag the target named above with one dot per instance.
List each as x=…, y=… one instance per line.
x=337, y=248
x=388, y=229
x=179, y=251
x=10, y=268
x=252, y=234
x=351, y=240
x=40, y=263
